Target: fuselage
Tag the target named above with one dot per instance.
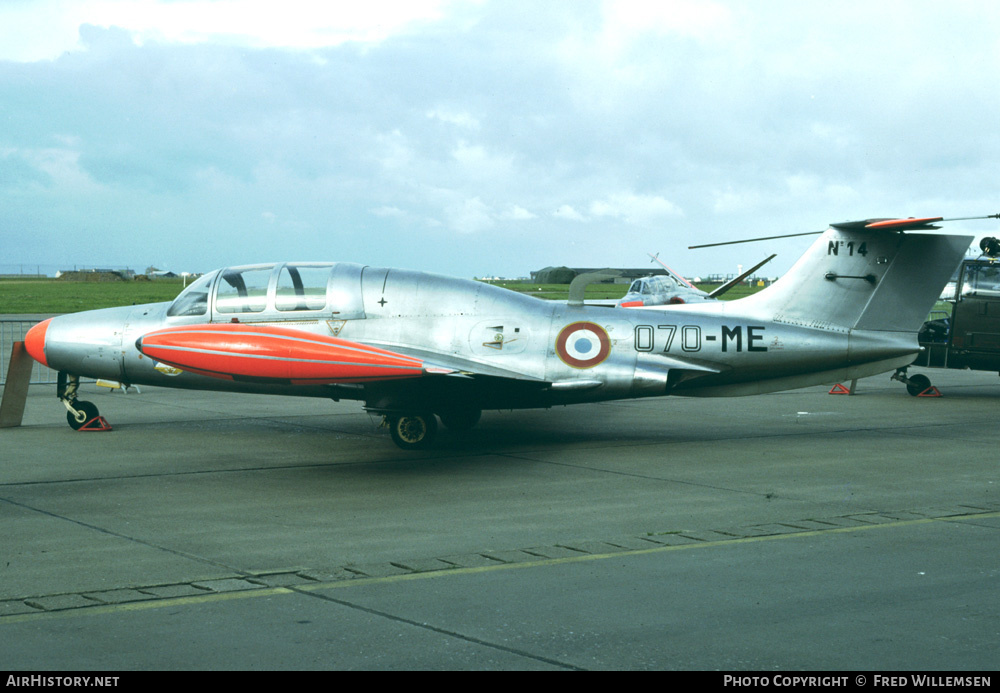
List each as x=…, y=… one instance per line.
x=505, y=350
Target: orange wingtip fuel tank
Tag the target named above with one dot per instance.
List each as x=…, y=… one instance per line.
x=263, y=352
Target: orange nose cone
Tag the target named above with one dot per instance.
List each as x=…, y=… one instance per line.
x=34, y=341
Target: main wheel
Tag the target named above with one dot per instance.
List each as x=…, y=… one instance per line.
x=89, y=410
x=412, y=431
x=916, y=384
x=460, y=419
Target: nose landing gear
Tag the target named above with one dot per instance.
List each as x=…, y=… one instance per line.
x=80, y=415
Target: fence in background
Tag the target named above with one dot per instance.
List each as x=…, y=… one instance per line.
x=12, y=330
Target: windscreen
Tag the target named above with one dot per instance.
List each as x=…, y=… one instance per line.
x=981, y=280
x=194, y=299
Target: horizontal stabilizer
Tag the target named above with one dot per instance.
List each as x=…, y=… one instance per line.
x=266, y=353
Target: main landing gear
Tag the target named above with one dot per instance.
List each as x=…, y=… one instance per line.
x=412, y=431
x=80, y=415
x=917, y=385
x=416, y=431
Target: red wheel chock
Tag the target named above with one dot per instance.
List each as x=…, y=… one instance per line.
x=98, y=423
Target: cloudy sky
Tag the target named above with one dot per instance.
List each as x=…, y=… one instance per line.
x=484, y=137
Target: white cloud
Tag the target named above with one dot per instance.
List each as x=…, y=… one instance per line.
x=732, y=200
x=395, y=152
x=470, y=216
x=481, y=163
x=642, y=46
x=567, y=212
x=389, y=211
x=702, y=19
x=60, y=168
x=517, y=213
x=641, y=210
x=460, y=119
x=33, y=30
x=820, y=189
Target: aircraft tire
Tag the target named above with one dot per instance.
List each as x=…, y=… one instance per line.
x=89, y=410
x=412, y=431
x=916, y=384
x=460, y=419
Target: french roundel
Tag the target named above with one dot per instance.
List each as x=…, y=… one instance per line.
x=583, y=345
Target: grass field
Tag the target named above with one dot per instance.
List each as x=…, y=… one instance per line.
x=45, y=295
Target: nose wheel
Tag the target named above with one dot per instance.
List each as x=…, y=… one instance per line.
x=80, y=414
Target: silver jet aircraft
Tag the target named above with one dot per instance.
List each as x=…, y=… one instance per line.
x=414, y=346
x=672, y=288
x=660, y=290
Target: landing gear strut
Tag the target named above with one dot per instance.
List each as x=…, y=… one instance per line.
x=79, y=414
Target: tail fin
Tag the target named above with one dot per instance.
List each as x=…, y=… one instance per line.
x=865, y=275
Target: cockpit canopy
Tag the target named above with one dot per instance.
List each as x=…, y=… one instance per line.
x=282, y=288
x=654, y=285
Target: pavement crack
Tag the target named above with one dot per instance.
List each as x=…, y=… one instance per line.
x=125, y=537
x=441, y=631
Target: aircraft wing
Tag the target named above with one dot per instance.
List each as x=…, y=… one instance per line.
x=457, y=366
